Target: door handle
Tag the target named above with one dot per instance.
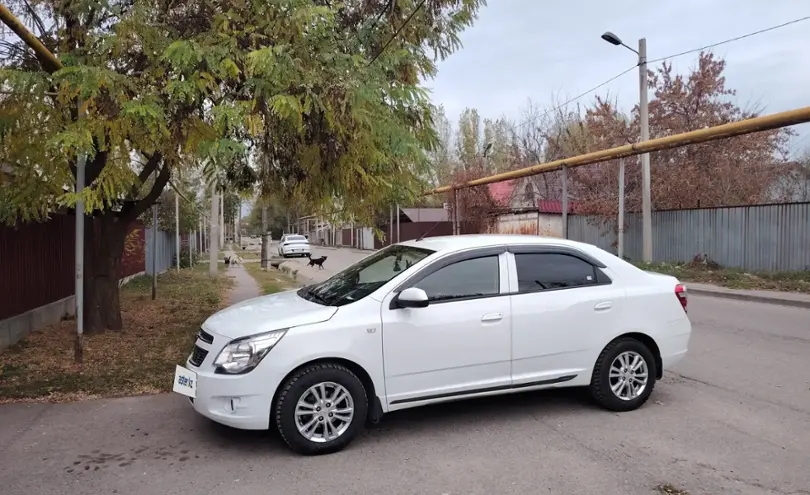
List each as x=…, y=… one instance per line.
x=492, y=317
x=602, y=306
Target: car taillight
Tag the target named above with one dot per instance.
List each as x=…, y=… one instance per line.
x=680, y=293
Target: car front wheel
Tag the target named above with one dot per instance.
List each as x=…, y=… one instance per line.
x=321, y=408
x=624, y=375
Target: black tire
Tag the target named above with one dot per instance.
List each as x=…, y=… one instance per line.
x=292, y=390
x=600, y=380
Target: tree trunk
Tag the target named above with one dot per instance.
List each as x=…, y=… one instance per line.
x=104, y=245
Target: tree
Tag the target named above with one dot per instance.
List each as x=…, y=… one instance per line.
x=736, y=171
x=164, y=86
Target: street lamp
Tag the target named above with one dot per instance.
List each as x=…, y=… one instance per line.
x=646, y=203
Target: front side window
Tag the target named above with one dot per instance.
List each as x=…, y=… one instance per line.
x=542, y=271
x=365, y=276
x=469, y=278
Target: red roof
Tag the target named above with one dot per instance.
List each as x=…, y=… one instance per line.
x=501, y=192
x=553, y=206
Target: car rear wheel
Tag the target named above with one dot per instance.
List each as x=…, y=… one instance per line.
x=624, y=375
x=321, y=408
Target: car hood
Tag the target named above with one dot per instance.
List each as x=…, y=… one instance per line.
x=267, y=313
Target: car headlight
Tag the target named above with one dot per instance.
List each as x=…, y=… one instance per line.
x=241, y=356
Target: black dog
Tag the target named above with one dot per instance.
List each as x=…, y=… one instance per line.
x=316, y=261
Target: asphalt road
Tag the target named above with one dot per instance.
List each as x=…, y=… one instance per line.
x=733, y=418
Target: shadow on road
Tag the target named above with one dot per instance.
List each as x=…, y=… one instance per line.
x=459, y=415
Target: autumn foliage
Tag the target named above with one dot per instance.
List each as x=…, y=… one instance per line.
x=744, y=170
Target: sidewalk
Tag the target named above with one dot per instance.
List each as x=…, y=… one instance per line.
x=245, y=287
x=763, y=296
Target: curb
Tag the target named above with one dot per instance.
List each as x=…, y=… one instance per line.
x=795, y=303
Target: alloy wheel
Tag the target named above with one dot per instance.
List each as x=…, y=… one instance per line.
x=628, y=375
x=324, y=412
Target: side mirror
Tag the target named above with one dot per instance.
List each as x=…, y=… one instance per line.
x=412, y=298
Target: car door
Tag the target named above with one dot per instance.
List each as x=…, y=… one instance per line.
x=460, y=343
x=563, y=304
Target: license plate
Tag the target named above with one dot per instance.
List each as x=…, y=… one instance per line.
x=185, y=382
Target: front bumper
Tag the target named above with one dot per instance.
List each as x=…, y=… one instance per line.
x=239, y=401
x=236, y=401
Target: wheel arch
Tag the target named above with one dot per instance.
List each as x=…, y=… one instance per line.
x=650, y=343
x=375, y=405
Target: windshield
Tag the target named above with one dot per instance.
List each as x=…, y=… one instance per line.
x=295, y=238
x=365, y=276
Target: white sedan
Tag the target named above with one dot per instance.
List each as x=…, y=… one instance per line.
x=293, y=245
x=434, y=320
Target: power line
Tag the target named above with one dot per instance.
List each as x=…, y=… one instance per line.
x=579, y=95
x=392, y=38
x=730, y=40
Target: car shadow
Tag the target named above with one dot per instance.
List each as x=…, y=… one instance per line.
x=458, y=414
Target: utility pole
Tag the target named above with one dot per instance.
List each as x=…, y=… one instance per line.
x=565, y=202
x=213, y=238
x=644, y=114
x=265, y=238
x=646, y=199
x=78, y=351
x=620, y=247
x=154, y=249
x=390, y=225
x=222, y=220
x=177, y=229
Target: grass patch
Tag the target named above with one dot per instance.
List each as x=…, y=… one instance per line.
x=250, y=255
x=707, y=272
x=670, y=489
x=270, y=281
x=140, y=359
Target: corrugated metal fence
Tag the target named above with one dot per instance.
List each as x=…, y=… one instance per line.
x=755, y=238
x=165, y=251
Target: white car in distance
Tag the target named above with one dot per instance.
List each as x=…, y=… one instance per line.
x=293, y=245
x=434, y=320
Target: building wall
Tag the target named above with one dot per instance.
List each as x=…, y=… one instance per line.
x=755, y=238
x=529, y=223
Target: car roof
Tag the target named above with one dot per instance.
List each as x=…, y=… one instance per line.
x=470, y=241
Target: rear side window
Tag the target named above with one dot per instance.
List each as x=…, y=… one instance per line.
x=475, y=277
x=543, y=271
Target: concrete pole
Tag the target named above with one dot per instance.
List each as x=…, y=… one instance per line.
x=398, y=239
x=213, y=237
x=265, y=251
x=646, y=199
x=177, y=230
x=456, y=229
x=238, y=228
x=565, y=202
x=222, y=220
x=620, y=250
x=154, y=250
x=78, y=351
x=390, y=225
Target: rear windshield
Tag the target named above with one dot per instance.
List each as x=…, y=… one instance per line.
x=296, y=238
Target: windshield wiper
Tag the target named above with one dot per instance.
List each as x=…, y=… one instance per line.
x=314, y=296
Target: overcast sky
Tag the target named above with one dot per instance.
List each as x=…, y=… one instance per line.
x=544, y=50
